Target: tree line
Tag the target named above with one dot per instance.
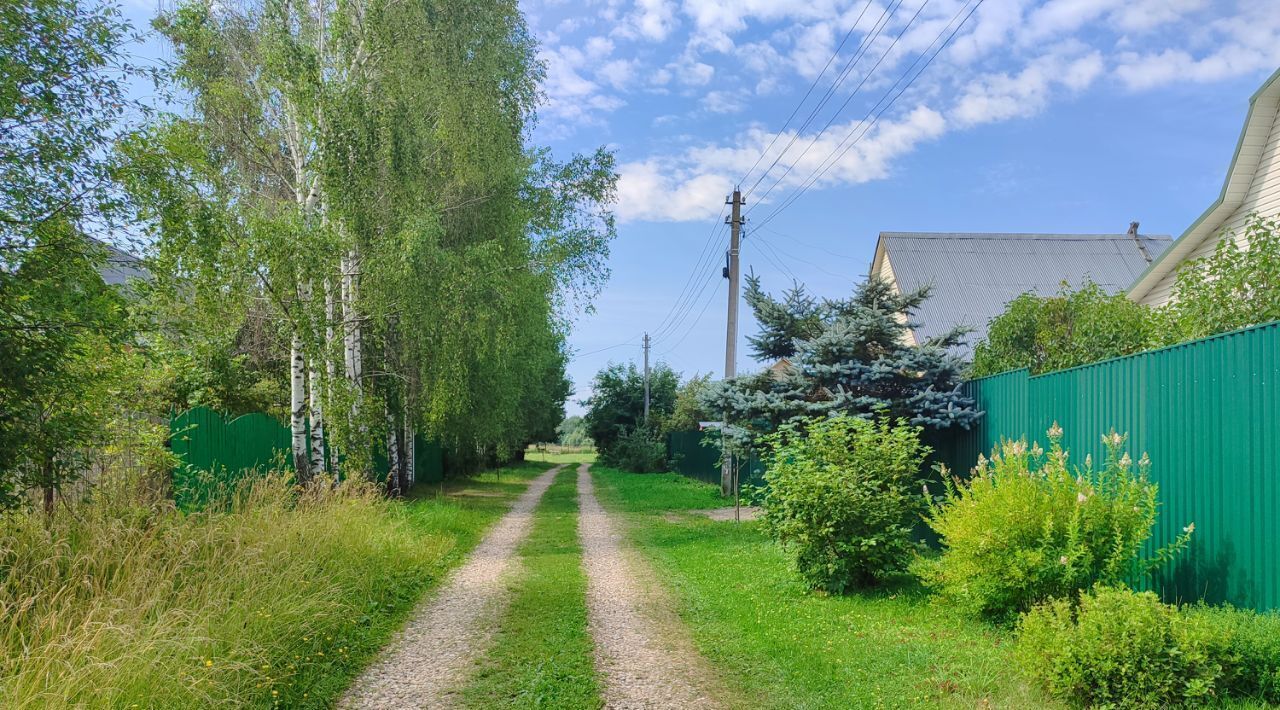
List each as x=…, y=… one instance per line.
x=345, y=220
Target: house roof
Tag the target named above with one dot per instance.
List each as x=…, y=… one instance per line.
x=120, y=266
x=1263, y=106
x=973, y=276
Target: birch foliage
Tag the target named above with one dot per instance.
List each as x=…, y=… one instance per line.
x=361, y=172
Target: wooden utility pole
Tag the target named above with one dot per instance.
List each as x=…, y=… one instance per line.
x=731, y=330
x=646, y=378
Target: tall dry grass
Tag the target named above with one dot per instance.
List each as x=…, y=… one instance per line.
x=278, y=597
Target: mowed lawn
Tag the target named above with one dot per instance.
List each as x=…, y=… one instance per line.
x=787, y=647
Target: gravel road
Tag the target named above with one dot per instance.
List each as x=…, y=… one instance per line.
x=644, y=657
x=429, y=658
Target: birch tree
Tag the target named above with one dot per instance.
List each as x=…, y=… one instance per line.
x=363, y=168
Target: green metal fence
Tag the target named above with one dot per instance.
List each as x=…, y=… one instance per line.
x=216, y=453
x=1207, y=412
x=690, y=458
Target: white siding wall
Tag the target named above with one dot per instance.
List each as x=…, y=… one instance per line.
x=1262, y=197
x=885, y=272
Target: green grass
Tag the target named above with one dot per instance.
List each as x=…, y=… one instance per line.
x=549, y=457
x=784, y=646
x=276, y=601
x=542, y=654
x=656, y=492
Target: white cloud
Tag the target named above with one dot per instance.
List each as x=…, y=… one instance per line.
x=690, y=185
x=1147, y=15
x=723, y=102
x=618, y=73
x=1057, y=18
x=813, y=49
x=1236, y=46
x=999, y=97
x=691, y=72
x=572, y=99
x=653, y=20
x=598, y=47
x=1014, y=59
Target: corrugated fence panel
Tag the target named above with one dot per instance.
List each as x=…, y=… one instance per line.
x=1208, y=414
x=217, y=454
x=690, y=458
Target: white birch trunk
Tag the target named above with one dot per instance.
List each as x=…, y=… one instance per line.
x=330, y=368
x=353, y=261
x=298, y=407
x=317, y=421
x=410, y=453
x=393, y=456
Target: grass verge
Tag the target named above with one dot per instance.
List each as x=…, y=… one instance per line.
x=554, y=458
x=784, y=646
x=542, y=654
x=279, y=600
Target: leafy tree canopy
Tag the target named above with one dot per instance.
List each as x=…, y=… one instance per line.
x=689, y=410
x=1235, y=287
x=616, y=404
x=573, y=432
x=1071, y=328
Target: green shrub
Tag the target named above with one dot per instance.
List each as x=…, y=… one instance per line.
x=639, y=450
x=1248, y=650
x=1028, y=527
x=1119, y=648
x=843, y=495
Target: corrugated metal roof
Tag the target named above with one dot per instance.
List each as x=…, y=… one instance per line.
x=120, y=266
x=973, y=276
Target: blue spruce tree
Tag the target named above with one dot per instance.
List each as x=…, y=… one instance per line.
x=851, y=356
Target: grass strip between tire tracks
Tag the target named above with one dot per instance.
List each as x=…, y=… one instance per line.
x=542, y=655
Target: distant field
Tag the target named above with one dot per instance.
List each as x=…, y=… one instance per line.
x=561, y=454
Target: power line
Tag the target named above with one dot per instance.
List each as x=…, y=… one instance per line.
x=815, y=247
x=841, y=149
x=776, y=259
x=694, y=325
x=819, y=267
x=805, y=98
x=847, y=100
x=611, y=347
x=675, y=324
x=845, y=71
x=686, y=294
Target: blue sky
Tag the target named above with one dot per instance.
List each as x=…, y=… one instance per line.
x=1038, y=116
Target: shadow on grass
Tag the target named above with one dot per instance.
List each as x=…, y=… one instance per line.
x=785, y=645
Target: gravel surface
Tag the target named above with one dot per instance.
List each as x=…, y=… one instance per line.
x=429, y=657
x=745, y=513
x=642, y=654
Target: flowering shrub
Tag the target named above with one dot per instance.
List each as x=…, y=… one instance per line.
x=1119, y=648
x=842, y=497
x=1028, y=527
